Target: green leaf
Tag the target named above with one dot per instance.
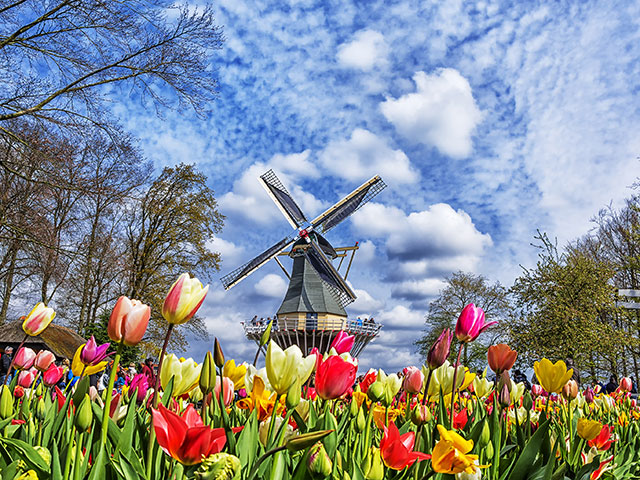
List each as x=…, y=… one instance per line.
x=82, y=388
x=98, y=468
x=166, y=395
x=56, y=471
x=126, y=435
x=248, y=442
x=28, y=454
x=529, y=453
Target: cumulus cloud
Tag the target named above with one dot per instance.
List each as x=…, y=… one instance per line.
x=271, y=285
x=365, y=303
x=367, y=50
x=441, y=113
x=365, y=155
x=230, y=253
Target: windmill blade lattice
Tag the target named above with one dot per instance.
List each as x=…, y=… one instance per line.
x=248, y=268
x=329, y=275
x=283, y=199
x=345, y=207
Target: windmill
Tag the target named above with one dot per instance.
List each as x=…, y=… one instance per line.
x=312, y=312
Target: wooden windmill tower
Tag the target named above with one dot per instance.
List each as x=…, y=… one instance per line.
x=313, y=310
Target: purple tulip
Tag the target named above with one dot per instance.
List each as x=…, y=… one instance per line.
x=141, y=383
x=92, y=354
x=440, y=349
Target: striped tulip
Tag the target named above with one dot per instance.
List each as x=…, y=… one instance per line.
x=38, y=319
x=43, y=360
x=183, y=300
x=128, y=321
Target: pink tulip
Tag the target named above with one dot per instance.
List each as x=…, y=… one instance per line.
x=128, y=321
x=343, y=342
x=43, y=360
x=413, y=380
x=471, y=323
x=537, y=390
x=52, y=375
x=228, y=390
x=589, y=395
x=24, y=359
x=26, y=377
x=92, y=354
x=625, y=384
x=439, y=351
x=141, y=383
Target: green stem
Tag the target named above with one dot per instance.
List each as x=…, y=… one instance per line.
x=254, y=470
x=67, y=461
x=76, y=473
x=231, y=439
x=109, y=395
x=272, y=421
x=426, y=387
x=6, y=378
x=454, y=387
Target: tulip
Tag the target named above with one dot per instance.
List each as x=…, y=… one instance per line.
x=228, y=390
x=516, y=392
x=128, y=321
x=603, y=440
x=140, y=384
x=235, y=373
x=420, y=414
x=6, y=402
x=84, y=415
x=373, y=468
x=537, y=390
x=219, y=466
x=501, y=357
x=589, y=395
x=386, y=387
x=18, y=392
x=78, y=368
x=183, y=300
x=552, y=376
x=43, y=360
x=368, y=379
x=343, y=343
x=318, y=462
x=26, y=377
x=24, y=359
x=439, y=351
x=413, y=380
x=38, y=319
x=451, y=454
x=252, y=372
x=625, y=384
x=52, y=375
x=588, y=429
x=284, y=366
x=482, y=386
x=460, y=419
x=470, y=323
x=442, y=378
x=92, y=353
x=335, y=376
x=570, y=390
x=185, y=437
x=397, y=450
x=185, y=374
x=505, y=397
x=207, y=380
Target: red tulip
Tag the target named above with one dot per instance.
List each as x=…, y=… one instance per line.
x=501, y=357
x=185, y=438
x=603, y=441
x=43, y=360
x=334, y=376
x=439, y=351
x=343, y=342
x=537, y=390
x=24, y=359
x=128, y=321
x=52, y=375
x=471, y=323
x=413, y=380
x=26, y=377
x=460, y=419
x=368, y=379
x=625, y=384
x=60, y=398
x=397, y=450
x=18, y=392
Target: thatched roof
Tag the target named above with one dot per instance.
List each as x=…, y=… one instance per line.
x=62, y=341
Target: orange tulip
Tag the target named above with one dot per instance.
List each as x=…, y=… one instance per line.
x=501, y=357
x=128, y=321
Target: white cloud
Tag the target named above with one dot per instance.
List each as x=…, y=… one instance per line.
x=365, y=155
x=441, y=113
x=271, y=285
x=365, y=303
x=416, y=290
x=367, y=50
x=230, y=253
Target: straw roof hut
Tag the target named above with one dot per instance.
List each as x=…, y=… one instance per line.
x=62, y=341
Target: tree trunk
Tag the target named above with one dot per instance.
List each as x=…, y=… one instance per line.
x=8, y=284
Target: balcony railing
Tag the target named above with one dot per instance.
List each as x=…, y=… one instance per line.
x=350, y=326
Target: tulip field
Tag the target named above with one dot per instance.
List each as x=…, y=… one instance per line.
x=298, y=417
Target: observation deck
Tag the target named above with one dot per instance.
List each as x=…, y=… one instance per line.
x=308, y=333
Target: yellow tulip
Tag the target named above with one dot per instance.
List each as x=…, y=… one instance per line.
x=235, y=373
x=552, y=376
x=77, y=367
x=284, y=366
x=517, y=391
x=467, y=380
x=38, y=319
x=443, y=376
x=260, y=398
x=482, y=386
x=186, y=374
x=588, y=429
x=183, y=300
x=451, y=454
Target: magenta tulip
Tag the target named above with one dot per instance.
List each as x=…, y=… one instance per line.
x=335, y=376
x=413, y=380
x=471, y=323
x=439, y=351
x=24, y=359
x=26, y=377
x=43, y=360
x=52, y=375
x=140, y=383
x=92, y=354
x=128, y=321
x=343, y=342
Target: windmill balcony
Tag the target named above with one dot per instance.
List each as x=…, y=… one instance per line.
x=310, y=333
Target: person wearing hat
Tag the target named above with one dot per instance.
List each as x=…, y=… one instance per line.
x=5, y=363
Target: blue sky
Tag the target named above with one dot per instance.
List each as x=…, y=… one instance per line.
x=487, y=120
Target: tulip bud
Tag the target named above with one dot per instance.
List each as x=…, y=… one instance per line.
x=527, y=401
x=485, y=435
x=625, y=384
x=353, y=408
x=319, y=464
x=218, y=356
x=376, y=391
x=84, y=415
x=589, y=395
x=39, y=389
x=293, y=395
x=207, y=380
x=300, y=442
x=219, y=466
x=372, y=466
x=24, y=359
x=505, y=397
x=361, y=422
x=420, y=414
x=439, y=351
x=488, y=450
x=504, y=379
x=570, y=390
x=6, y=402
x=266, y=335
x=44, y=454
x=41, y=409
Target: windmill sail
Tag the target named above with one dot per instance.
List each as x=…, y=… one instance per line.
x=321, y=264
x=349, y=204
x=248, y=268
x=283, y=199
